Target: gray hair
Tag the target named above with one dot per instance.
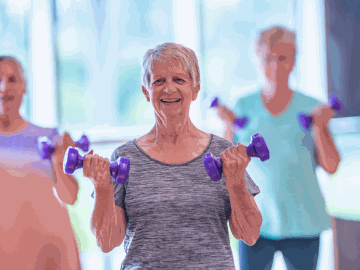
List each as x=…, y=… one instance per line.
x=17, y=62
x=275, y=34
x=168, y=51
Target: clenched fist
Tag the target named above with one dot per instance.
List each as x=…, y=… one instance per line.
x=235, y=161
x=98, y=169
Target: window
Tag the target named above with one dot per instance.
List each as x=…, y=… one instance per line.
x=100, y=45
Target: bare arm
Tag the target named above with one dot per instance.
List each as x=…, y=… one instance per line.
x=66, y=185
x=329, y=157
x=228, y=118
x=108, y=222
x=229, y=133
x=245, y=217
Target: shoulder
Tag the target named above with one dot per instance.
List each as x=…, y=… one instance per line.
x=248, y=99
x=41, y=131
x=126, y=149
x=305, y=100
x=219, y=144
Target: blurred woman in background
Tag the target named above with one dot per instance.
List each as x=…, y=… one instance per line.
x=291, y=203
x=35, y=229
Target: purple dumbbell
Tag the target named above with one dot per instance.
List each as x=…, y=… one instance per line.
x=238, y=122
x=306, y=120
x=46, y=148
x=256, y=148
x=119, y=169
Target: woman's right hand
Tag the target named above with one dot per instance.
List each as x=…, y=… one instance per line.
x=98, y=169
x=226, y=115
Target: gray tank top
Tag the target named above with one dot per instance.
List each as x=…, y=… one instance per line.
x=176, y=216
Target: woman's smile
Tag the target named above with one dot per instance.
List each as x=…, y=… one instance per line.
x=170, y=101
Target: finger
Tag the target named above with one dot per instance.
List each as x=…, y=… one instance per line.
x=86, y=163
x=95, y=160
x=223, y=156
x=102, y=162
x=87, y=159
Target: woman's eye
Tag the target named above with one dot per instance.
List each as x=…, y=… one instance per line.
x=12, y=79
x=158, y=81
x=282, y=58
x=178, y=79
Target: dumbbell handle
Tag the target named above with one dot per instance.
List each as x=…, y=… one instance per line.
x=46, y=148
x=238, y=122
x=250, y=151
x=334, y=103
x=119, y=169
x=257, y=148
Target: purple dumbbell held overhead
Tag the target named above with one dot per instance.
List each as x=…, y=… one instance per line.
x=257, y=148
x=238, y=122
x=119, y=169
x=307, y=120
x=46, y=148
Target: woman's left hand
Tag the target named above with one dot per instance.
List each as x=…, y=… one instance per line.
x=60, y=149
x=235, y=161
x=322, y=115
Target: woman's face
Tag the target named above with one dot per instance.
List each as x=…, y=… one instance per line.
x=12, y=87
x=170, y=90
x=277, y=63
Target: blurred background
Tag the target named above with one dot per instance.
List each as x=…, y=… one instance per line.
x=82, y=60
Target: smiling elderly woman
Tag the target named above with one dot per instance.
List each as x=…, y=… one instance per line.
x=169, y=212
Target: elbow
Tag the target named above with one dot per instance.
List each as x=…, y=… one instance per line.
x=333, y=167
x=70, y=200
x=252, y=239
x=105, y=249
x=256, y=231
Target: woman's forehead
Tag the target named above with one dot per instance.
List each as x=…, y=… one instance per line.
x=160, y=67
x=9, y=66
x=281, y=48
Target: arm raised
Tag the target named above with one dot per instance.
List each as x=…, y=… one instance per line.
x=108, y=221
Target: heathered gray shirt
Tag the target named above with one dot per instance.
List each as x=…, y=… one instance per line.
x=176, y=216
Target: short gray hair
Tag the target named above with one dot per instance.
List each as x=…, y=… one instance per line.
x=274, y=34
x=168, y=51
x=17, y=62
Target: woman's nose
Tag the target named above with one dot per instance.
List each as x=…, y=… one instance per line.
x=170, y=88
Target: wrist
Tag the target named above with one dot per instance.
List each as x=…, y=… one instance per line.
x=56, y=164
x=104, y=189
x=236, y=181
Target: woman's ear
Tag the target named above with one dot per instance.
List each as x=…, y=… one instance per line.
x=146, y=93
x=196, y=90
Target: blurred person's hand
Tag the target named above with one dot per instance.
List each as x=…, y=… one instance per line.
x=322, y=115
x=226, y=115
x=60, y=149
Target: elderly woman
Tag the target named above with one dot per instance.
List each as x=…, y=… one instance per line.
x=35, y=228
x=170, y=213
x=293, y=208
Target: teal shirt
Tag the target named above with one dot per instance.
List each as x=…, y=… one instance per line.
x=290, y=200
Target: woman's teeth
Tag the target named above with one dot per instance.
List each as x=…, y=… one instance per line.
x=170, y=101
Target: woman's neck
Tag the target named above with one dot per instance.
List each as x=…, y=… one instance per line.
x=173, y=134
x=12, y=124
x=275, y=90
